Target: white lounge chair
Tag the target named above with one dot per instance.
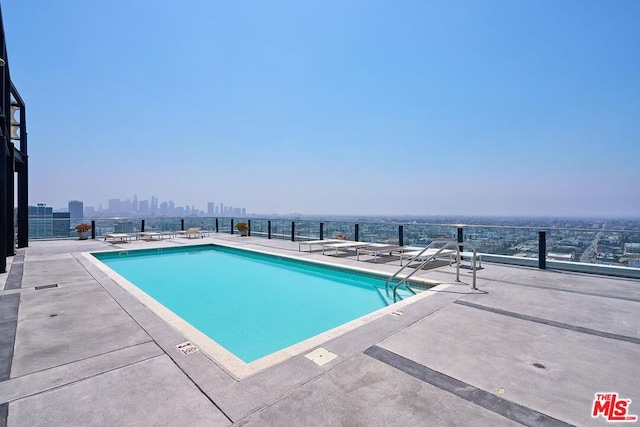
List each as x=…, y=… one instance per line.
x=417, y=255
x=149, y=235
x=118, y=237
x=343, y=245
x=194, y=232
x=376, y=249
x=318, y=243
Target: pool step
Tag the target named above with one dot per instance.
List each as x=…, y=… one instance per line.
x=388, y=300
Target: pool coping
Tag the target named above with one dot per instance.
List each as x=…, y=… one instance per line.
x=226, y=360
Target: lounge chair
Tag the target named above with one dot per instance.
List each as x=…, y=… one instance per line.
x=318, y=243
x=416, y=254
x=376, y=249
x=149, y=235
x=343, y=245
x=118, y=237
x=194, y=232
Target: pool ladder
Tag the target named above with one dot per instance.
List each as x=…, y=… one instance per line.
x=446, y=244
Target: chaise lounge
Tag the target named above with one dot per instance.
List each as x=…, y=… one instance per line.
x=118, y=237
x=318, y=243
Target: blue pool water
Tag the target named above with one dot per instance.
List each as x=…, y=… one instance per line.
x=251, y=304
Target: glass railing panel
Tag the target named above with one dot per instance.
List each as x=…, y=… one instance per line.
x=519, y=242
x=379, y=233
x=572, y=245
x=339, y=230
x=605, y=247
x=281, y=229
x=422, y=235
x=224, y=225
x=259, y=227
x=161, y=224
x=203, y=223
x=307, y=230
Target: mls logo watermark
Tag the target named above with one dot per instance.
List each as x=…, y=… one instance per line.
x=612, y=408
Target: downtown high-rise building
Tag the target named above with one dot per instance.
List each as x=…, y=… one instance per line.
x=76, y=210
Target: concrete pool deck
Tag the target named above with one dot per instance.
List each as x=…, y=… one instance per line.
x=528, y=347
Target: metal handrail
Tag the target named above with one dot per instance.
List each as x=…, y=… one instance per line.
x=435, y=242
x=447, y=244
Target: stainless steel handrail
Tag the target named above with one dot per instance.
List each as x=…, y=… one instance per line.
x=435, y=242
x=447, y=244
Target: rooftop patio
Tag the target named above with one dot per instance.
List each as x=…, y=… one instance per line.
x=528, y=347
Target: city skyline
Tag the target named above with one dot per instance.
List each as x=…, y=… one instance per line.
x=151, y=206
x=221, y=209
x=419, y=108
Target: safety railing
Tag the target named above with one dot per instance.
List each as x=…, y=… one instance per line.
x=446, y=244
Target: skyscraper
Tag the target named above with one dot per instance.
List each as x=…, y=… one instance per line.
x=211, y=208
x=40, y=221
x=76, y=210
x=136, y=205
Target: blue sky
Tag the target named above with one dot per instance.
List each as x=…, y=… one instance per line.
x=334, y=107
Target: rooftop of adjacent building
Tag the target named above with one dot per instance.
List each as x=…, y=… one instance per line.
x=529, y=346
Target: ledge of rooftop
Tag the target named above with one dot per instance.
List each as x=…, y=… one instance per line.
x=528, y=347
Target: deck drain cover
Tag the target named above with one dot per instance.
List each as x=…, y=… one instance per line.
x=320, y=356
x=398, y=313
x=539, y=365
x=46, y=287
x=187, y=348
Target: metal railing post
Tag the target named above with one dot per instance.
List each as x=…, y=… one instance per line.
x=322, y=231
x=231, y=225
x=142, y=226
x=268, y=229
x=293, y=231
x=249, y=229
x=357, y=232
x=401, y=235
x=460, y=239
x=217, y=227
x=182, y=224
x=93, y=229
x=542, y=250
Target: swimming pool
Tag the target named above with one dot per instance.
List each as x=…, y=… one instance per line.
x=251, y=304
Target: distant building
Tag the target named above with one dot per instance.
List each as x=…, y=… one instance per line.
x=76, y=210
x=211, y=208
x=114, y=206
x=632, y=249
x=144, y=207
x=40, y=221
